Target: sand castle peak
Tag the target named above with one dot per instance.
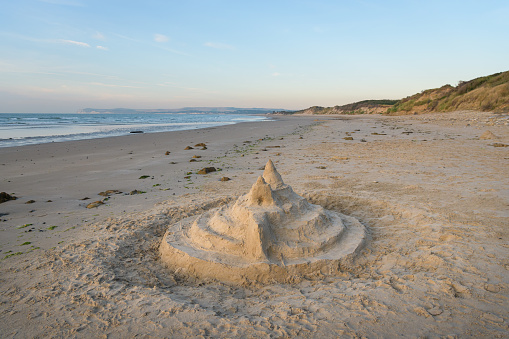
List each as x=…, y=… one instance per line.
x=261, y=193
x=272, y=176
x=268, y=234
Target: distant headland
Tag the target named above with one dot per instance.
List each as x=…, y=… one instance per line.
x=228, y=110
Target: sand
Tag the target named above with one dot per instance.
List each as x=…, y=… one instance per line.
x=433, y=196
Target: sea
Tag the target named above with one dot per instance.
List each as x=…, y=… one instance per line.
x=17, y=129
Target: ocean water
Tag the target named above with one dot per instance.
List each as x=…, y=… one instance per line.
x=33, y=128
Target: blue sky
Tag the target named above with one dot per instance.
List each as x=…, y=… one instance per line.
x=62, y=55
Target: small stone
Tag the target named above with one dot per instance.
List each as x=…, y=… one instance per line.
x=207, y=170
x=204, y=148
x=30, y=202
x=95, y=204
x=492, y=288
x=225, y=179
x=167, y=153
x=497, y=144
x=201, y=144
x=136, y=132
x=188, y=148
x=348, y=138
x=196, y=156
x=435, y=311
x=192, y=160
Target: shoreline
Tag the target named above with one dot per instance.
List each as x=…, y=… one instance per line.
x=432, y=194
x=105, y=130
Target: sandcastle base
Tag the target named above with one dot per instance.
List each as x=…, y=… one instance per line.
x=199, y=264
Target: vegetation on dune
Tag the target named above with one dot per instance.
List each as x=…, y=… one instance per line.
x=361, y=107
x=489, y=93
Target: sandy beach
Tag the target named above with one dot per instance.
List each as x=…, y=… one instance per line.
x=432, y=194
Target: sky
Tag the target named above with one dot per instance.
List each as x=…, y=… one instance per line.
x=63, y=55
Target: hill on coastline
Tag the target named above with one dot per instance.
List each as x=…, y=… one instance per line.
x=230, y=110
x=489, y=93
x=361, y=107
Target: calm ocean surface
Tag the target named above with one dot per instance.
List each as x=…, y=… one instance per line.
x=33, y=128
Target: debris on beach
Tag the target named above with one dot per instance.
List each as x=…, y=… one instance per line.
x=201, y=144
x=6, y=197
x=270, y=234
x=109, y=192
x=206, y=170
x=95, y=204
x=188, y=148
x=134, y=192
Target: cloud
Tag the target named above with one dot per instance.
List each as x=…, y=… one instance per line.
x=99, y=36
x=76, y=43
x=218, y=45
x=276, y=74
x=111, y=85
x=102, y=48
x=160, y=38
x=63, y=2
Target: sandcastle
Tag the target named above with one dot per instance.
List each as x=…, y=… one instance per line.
x=269, y=235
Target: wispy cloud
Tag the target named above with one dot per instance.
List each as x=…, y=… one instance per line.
x=76, y=43
x=126, y=37
x=160, y=38
x=218, y=45
x=64, y=2
x=102, y=48
x=161, y=46
x=189, y=89
x=276, y=74
x=112, y=85
x=99, y=36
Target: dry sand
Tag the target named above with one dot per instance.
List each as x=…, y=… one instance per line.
x=433, y=196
